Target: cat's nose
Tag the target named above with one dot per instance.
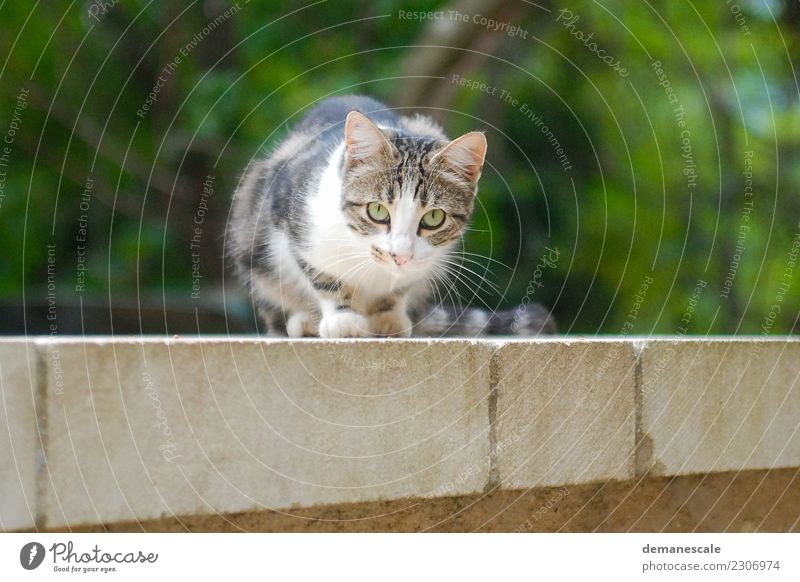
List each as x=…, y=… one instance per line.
x=401, y=259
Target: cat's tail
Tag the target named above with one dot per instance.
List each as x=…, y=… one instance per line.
x=531, y=319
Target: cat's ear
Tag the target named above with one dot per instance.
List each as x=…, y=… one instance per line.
x=465, y=155
x=363, y=139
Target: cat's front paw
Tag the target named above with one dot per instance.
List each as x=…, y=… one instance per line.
x=390, y=323
x=344, y=324
x=301, y=324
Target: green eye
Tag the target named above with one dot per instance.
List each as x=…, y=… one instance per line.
x=378, y=212
x=433, y=218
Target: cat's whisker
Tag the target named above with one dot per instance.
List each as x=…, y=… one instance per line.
x=472, y=287
x=478, y=265
x=350, y=271
x=435, y=278
x=460, y=263
x=460, y=260
x=348, y=258
x=448, y=285
x=480, y=256
x=434, y=288
x=469, y=283
x=481, y=279
x=479, y=298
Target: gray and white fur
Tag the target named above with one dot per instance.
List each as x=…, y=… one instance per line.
x=341, y=231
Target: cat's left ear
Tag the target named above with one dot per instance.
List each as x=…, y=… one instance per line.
x=364, y=140
x=465, y=155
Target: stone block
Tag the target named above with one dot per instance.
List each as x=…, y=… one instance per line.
x=159, y=428
x=565, y=412
x=721, y=405
x=19, y=435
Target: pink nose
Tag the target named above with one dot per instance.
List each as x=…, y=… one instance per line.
x=402, y=259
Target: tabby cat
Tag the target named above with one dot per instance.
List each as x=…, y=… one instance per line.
x=344, y=229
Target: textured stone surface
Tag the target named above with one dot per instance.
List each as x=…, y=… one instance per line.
x=721, y=405
x=565, y=412
x=19, y=436
x=741, y=501
x=154, y=429
x=157, y=430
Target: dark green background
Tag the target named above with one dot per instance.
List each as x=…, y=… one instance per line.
x=622, y=214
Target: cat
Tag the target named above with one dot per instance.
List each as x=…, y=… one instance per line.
x=341, y=230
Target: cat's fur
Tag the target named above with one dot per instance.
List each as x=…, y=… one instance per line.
x=317, y=264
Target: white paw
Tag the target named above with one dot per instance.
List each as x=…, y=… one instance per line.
x=390, y=323
x=344, y=324
x=301, y=324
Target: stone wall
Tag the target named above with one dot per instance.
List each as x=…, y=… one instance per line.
x=556, y=434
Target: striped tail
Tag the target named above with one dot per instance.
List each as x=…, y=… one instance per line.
x=528, y=320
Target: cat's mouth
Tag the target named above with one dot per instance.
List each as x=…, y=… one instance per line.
x=379, y=255
x=396, y=265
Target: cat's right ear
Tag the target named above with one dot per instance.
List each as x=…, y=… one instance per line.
x=364, y=141
x=465, y=155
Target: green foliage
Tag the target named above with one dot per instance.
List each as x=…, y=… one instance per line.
x=624, y=211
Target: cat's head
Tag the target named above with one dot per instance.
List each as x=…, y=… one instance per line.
x=409, y=198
